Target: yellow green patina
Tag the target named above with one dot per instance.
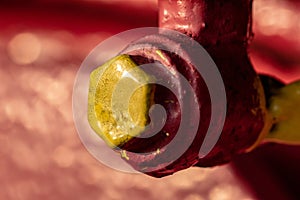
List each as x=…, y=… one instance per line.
x=285, y=110
x=262, y=107
x=119, y=100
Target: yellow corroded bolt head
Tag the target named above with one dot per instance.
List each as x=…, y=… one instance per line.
x=285, y=109
x=119, y=100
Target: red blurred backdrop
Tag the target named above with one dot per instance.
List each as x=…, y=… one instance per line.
x=42, y=44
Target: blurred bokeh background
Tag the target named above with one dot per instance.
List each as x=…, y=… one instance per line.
x=42, y=45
